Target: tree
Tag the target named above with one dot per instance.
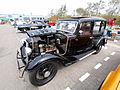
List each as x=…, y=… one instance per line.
x=81, y=12
x=89, y=8
x=113, y=8
x=59, y=14
x=62, y=11
x=52, y=13
x=95, y=8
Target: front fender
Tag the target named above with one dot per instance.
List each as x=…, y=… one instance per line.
x=39, y=59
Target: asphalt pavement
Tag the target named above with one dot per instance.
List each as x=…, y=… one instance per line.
x=87, y=74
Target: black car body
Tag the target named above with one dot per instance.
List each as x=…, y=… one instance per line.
x=34, y=24
x=72, y=40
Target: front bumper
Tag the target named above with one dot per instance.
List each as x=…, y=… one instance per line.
x=21, y=54
x=21, y=63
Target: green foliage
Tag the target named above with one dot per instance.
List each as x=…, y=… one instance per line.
x=117, y=22
x=93, y=9
x=62, y=11
x=113, y=8
x=59, y=14
x=82, y=12
x=107, y=17
x=55, y=18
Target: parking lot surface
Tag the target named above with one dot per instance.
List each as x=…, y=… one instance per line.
x=87, y=74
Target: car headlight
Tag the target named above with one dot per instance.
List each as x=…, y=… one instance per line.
x=28, y=50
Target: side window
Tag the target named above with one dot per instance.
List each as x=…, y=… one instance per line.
x=96, y=28
x=99, y=27
x=85, y=28
x=103, y=27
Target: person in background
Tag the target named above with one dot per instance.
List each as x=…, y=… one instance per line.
x=111, y=23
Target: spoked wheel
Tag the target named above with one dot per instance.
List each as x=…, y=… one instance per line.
x=98, y=48
x=43, y=73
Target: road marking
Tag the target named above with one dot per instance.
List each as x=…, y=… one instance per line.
x=67, y=88
x=98, y=65
x=113, y=53
x=85, y=76
x=87, y=55
x=107, y=58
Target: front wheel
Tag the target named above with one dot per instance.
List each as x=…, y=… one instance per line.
x=98, y=48
x=43, y=73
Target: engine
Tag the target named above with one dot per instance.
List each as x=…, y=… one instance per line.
x=47, y=44
x=45, y=41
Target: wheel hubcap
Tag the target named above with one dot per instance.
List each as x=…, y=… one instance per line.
x=100, y=47
x=46, y=74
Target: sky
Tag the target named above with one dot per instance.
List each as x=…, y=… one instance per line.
x=40, y=7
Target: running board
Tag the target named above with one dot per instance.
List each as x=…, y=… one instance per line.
x=79, y=57
x=84, y=55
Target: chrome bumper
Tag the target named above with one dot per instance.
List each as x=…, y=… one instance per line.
x=21, y=63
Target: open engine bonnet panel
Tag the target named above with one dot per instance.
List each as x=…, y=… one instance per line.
x=40, y=32
x=47, y=40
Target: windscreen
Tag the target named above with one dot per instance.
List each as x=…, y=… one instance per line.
x=69, y=26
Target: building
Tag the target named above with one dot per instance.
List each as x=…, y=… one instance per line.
x=21, y=17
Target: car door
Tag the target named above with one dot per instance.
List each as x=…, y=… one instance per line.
x=83, y=39
x=98, y=30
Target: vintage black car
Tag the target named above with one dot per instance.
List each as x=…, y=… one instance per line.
x=71, y=41
x=34, y=24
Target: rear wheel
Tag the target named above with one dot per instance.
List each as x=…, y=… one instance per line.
x=43, y=73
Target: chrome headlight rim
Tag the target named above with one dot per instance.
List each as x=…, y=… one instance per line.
x=28, y=50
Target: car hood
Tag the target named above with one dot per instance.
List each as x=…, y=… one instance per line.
x=41, y=32
x=46, y=31
x=23, y=25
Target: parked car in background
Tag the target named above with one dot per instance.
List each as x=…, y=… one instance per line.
x=3, y=21
x=71, y=41
x=112, y=81
x=34, y=24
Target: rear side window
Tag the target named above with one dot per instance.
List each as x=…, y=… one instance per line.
x=103, y=25
x=96, y=28
x=99, y=27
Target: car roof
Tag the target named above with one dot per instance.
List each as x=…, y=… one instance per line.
x=82, y=19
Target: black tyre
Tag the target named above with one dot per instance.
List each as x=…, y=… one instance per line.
x=43, y=73
x=101, y=84
x=98, y=48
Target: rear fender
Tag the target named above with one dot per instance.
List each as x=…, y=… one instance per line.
x=42, y=58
